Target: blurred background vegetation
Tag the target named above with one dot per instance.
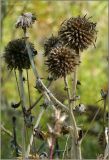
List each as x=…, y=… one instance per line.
x=92, y=72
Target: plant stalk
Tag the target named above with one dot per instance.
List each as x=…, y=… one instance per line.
x=32, y=135
x=104, y=120
x=75, y=148
x=52, y=148
x=38, y=99
x=22, y=96
x=38, y=78
x=14, y=135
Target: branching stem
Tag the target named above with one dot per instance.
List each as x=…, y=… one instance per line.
x=32, y=135
x=38, y=78
x=38, y=100
x=75, y=148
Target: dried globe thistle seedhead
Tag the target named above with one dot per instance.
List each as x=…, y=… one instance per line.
x=16, y=54
x=25, y=20
x=49, y=44
x=61, y=61
x=78, y=33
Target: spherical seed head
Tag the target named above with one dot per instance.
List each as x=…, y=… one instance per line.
x=49, y=44
x=61, y=61
x=16, y=55
x=78, y=33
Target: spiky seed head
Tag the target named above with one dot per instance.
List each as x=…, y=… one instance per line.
x=16, y=54
x=61, y=61
x=49, y=44
x=78, y=33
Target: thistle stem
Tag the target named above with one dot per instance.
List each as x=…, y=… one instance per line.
x=32, y=135
x=38, y=100
x=51, y=148
x=21, y=90
x=29, y=97
x=74, y=79
x=104, y=120
x=106, y=152
x=38, y=78
x=17, y=84
x=75, y=148
x=104, y=113
x=74, y=86
x=15, y=136
x=22, y=96
x=65, y=149
x=68, y=92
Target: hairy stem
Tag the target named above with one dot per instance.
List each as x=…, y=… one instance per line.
x=40, y=81
x=29, y=97
x=74, y=79
x=22, y=96
x=38, y=99
x=52, y=148
x=17, y=83
x=65, y=149
x=14, y=135
x=104, y=113
x=106, y=152
x=75, y=148
x=74, y=86
x=32, y=135
x=104, y=120
x=37, y=123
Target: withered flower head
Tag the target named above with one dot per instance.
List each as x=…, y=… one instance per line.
x=55, y=130
x=25, y=20
x=78, y=33
x=61, y=61
x=49, y=44
x=16, y=54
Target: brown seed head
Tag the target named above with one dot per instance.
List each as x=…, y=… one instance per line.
x=16, y=54
x=49, y=44
x=61, y=61
x=78, y=33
